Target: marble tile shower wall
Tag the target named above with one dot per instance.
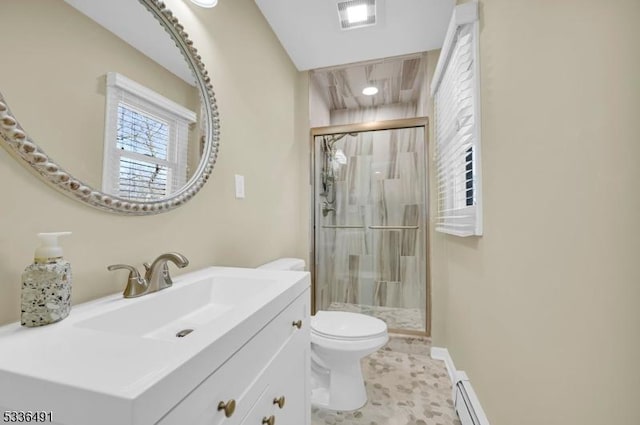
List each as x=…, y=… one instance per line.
x=392, y=111
x=381, y=183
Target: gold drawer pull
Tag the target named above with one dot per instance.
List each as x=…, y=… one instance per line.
x=229, y=407
x=297, y=324
x=269, y=421
x=279, y=401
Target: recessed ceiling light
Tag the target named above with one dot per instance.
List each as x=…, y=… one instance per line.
x=205, y=3
x=370, y=91
x=356, y=13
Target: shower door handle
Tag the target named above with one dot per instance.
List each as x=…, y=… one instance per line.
x=394, y=227
x=331, y=226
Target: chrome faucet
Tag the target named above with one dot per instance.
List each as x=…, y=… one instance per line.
x=157, y=274
x=156, y=277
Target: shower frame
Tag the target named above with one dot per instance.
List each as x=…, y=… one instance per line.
x=419, y=122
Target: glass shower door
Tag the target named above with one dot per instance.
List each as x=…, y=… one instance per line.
x=370, y=218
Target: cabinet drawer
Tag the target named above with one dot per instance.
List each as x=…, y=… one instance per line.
x=287, y=381
x=237, y=379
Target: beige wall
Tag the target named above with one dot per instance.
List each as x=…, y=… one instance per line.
x=319, y=114
x=542, y=311
x=425, y=105
x=263, y=104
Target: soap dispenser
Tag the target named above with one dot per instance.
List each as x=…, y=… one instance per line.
x=46, y=284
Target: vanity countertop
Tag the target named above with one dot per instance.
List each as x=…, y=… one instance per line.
x=85, y=372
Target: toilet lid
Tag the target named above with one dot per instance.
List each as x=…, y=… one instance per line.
x=344, y=325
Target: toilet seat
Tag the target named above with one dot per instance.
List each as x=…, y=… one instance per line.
x=345, y=326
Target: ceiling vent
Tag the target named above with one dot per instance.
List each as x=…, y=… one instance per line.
x=357, y=13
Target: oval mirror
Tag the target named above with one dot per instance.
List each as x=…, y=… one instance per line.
x=109, y=102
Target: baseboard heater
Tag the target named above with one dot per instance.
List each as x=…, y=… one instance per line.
x=466, y=402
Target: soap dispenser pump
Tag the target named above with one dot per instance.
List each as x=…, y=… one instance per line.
x=46, y=284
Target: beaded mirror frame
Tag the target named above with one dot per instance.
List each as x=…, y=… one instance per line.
x=17, y=142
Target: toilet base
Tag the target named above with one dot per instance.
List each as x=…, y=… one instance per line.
x=339, y=342
x=339, y=389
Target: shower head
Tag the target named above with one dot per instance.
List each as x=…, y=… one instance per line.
x=333, y=138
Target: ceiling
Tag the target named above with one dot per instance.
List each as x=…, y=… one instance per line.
x=310, y=32
x=131, y=21
x=399, y=80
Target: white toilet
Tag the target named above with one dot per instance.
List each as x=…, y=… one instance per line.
x=339, y=340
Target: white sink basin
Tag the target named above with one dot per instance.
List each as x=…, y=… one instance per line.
x=162, y=315
x=119, y=361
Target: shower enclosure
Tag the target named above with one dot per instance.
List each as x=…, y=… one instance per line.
x=370, y=221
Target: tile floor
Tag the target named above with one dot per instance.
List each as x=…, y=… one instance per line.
x=405, y=387
x=395, y=317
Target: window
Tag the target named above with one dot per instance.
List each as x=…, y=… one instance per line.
x=146, y=142
x=455, y=89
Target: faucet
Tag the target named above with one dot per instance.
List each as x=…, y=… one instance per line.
x=136, y=285
x=157, y=274
x=326, y=209
x=156, y=277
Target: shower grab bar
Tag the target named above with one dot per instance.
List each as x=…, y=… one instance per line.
x=327, y=226
x=394, y=227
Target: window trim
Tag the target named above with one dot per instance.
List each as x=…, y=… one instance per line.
x=464, y=14
x=154, y=104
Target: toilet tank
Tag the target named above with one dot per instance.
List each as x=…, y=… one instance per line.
x=293, y=264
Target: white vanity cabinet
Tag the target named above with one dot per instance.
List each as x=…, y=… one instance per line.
x=117, y=361
x=285, y=400
x=265, y=382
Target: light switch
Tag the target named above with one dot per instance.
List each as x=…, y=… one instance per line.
x=239, y=187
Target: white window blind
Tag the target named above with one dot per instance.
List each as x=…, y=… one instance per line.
x=455, y=90
x=146, y=141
